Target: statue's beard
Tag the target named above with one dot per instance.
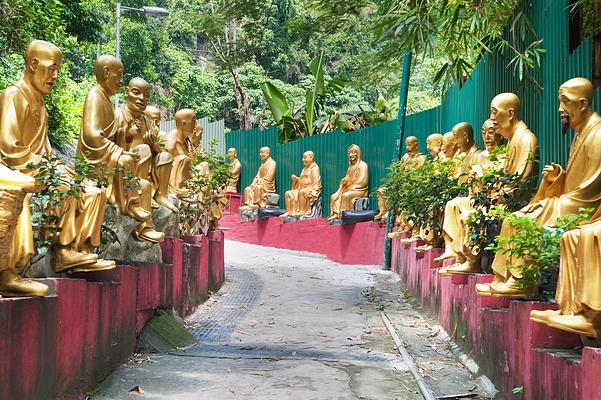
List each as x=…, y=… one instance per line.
x=565, y=124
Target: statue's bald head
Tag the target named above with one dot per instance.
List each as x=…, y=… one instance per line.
x=109, y=73
x=411, y=144
x=434, y=144
x=43, y=61
x=138, y=82
x=184, y=119
x=449, y=147
x=153, y=114
x=507, y=101
x=264, y=153
x=504, y=112
x=464, y=135
x=578, y=87
x=575, y=103
x=308, y=158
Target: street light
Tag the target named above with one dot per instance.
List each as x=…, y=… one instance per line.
x=157, y=12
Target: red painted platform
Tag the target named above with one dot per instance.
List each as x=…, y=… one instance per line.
x=235, y=201
x=361, y=243
x=498, y=334
x=63, y=344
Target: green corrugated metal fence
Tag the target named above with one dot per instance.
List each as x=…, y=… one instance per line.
x=470, y=103
x=376, y=144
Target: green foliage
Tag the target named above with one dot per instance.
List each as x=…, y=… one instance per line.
x=535, y=247
x=421, y=194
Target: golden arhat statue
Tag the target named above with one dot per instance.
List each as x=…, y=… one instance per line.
x=182, y=142
x=434, y=145
x=24, y=140
x=255, y=195
x=449, y=147
x=162, y=161
x=235, y=169
x=98, y=142
x=353, y=186
x=413, y=157
x=306, y=189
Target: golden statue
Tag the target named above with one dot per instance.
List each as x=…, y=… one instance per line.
x=561, y=192
x=255, y=195
x=434, y=145
x=412, y=158
x=182, y=142
x=16, y=246
x=162, y=161
x=449, y=147
x=24, y=140
x=457, y=211
x=235, y=169
x=306, y=189
x=218, y=200
x=97, y=142
x=353, y=186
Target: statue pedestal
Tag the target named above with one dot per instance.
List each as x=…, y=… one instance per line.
x=235, y=201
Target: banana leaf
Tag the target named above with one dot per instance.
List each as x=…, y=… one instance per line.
x=276, y=101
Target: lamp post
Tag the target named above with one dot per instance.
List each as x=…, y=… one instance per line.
x=157, y=12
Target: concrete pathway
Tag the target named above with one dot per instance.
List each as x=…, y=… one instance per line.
x=288, y=325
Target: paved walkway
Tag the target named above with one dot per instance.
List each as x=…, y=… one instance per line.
x=296, y=326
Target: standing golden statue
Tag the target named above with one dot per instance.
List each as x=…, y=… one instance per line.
x=235, y=169
x=24, y=140
x=97, y=142
x=255, y=195
x=306, y=189
x=16, y=246
x=353, y=186
x=561, y=192
x=162, y=161
x=182, y=142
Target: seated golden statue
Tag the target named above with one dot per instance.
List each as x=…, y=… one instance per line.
x=16, y=246
x=458, y=210
x=306, y=189
x=235, y=169
x=255, y=195
x=560, y=192
x=97, y=142
x=449, y=147
x=162, y=161
x=182, y=142
x=24, y=140
x=353, y=186
x=434, y=145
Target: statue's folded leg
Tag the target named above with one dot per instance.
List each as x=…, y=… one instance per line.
x=160, y=174
x=146, y=231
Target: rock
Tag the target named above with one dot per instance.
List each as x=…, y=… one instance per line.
x=273, y=200
x=166, y=221
x=362, y=204
x=66, y=152
x=127, y=248
x=249, y=215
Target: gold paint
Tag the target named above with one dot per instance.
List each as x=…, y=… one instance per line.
x=306, y=189
x=235, y=169
x=353, y=186
x=219, y=201
x=255, y=195
x=182, y=142
x=434, y=145
x=23, y=140
x=449, y=147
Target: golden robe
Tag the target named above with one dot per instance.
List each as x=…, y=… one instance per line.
x=235, y=169
x=355, y=187
x=579, y=186
x=262, y=185
x=181, y=148
x=305, y=191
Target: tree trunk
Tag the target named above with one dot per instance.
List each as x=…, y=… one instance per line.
x=597, y=44
x=242, y=100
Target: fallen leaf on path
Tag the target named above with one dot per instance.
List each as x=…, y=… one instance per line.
x=136, y=389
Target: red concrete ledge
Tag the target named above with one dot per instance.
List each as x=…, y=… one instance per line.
x=498, y=334
x=361, y=243
x=60, y=345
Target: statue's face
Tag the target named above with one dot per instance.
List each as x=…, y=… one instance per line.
x=155, y=117
x=460, y=138
x=572, y=108
x=490, y=136
x=264, y=154
x=114, y=77
x=448, y=145
x=45, y=72
x=353, y=155
x=411, y=145
x=231, y=153
x=501, y=115
x=307, y=159
x=137, y=96
x=433, y=147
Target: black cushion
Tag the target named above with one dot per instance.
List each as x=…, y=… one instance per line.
x=353, y=217
x=265, y=213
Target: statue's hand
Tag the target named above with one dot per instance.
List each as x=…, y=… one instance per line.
x=551, y=172
x=133, y=155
